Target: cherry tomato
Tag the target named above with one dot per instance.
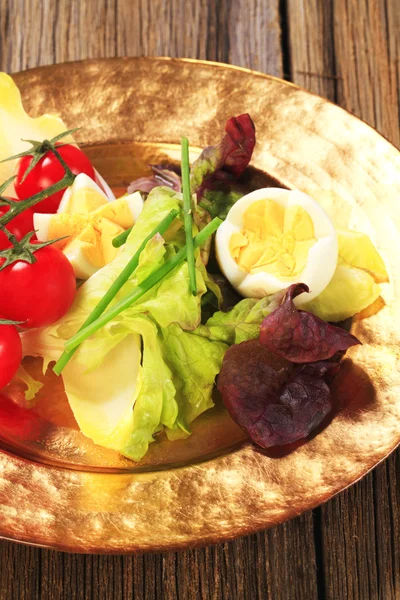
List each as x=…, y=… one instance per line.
x=47, y=172
x=19, y=226
x=38, y=294
x=10, y=353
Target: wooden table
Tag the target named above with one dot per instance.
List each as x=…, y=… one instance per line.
x=347, y=51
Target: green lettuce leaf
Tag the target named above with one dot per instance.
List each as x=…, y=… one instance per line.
x=155, y=404
x=219, y=202
x=240, y=324
x=102, y=399
x=195, y=362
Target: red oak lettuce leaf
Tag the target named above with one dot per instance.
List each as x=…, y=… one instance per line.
x=299, y=336
x=228, y=158
x=166, y=175
x=273, y=400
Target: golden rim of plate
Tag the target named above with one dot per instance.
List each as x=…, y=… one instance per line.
x=303, y=141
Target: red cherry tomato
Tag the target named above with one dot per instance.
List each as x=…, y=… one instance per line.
x=10, y=353
x=19, y=226
x=38, y=294
x=47, y=172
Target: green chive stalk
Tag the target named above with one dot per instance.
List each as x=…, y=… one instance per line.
x=120, y=239
x=187, y=215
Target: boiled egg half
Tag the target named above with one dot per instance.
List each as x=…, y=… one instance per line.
x=88, y=222
x=274, y=237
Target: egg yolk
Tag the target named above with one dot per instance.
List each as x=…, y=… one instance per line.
x=84, y=200
x=274, y=239
x=93, y=227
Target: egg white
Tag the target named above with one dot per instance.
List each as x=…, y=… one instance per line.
x=135, y=203
x=103, y=183
x=322, y=257
x=82, y=181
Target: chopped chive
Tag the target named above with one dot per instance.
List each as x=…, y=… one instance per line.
x=116, y=286
x=142, y=289
x=120, y=239
x=187, y=215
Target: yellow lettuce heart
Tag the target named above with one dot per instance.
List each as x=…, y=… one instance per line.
x=16, y=125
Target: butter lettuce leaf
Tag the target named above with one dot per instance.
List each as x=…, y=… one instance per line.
x=195, y=362
x=240, y=324
x=156, y=404
x=102, y=399
x=124, y=401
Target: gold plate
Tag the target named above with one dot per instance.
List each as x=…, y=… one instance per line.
x=59, y=490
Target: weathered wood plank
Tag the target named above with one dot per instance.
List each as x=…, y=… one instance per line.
x=349, y=51
x=246, y=33
x=276, y=565
x=311, y=51
x=367, y=44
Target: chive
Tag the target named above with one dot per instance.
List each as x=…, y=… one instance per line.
x=187, y=215
x=120, y=239
x=143, y=288
x=116, y=286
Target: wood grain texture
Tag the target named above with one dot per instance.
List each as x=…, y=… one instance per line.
x=276, y=565
x=244, y=32
x=348, y=51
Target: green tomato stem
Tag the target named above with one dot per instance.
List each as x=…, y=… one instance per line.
x=116, y=286
x=187, y=215
x=16, y=208
x=143, y=288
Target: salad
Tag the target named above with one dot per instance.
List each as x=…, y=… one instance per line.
x=147, y=304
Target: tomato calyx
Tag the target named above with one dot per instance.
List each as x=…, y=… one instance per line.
x=4, y=200
x=21, y=250
x=38, y=149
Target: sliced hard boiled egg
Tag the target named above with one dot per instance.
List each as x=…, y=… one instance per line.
x=272, y=238
x=88, y=224
x=83, y=196
x=92, y=248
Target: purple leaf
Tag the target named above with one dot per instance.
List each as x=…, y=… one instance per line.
x=299, y=336
x=166, y=175
x=230, y=157
x=274, y=401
